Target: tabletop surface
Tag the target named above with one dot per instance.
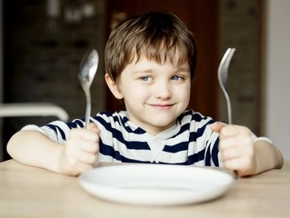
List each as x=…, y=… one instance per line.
x=32, y=192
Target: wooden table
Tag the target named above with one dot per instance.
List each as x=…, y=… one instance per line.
x=31, y=192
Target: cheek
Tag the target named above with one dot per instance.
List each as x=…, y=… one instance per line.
x=134, y=92
x=140, y=94
x=183, y=93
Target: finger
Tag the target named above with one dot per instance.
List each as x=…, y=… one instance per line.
x=88, y=146
x=242, y=145
x=85, y=134
x=232, y=164
x=226, y=143
x=229, y=131
x=77, y=144
x=240, y=165
x=234, y=130
x=80, y=168
x=73, y=164
x=230, y=153
x=87, y=158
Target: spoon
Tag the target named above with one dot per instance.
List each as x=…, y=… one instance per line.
x=88, y=69
x=223, y=77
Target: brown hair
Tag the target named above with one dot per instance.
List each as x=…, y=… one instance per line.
x=158, y=36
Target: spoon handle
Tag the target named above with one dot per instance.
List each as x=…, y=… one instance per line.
x=88, y=109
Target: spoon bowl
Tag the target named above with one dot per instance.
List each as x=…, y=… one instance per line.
x=88, y=69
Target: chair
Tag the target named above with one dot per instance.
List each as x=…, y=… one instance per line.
x=33, y=109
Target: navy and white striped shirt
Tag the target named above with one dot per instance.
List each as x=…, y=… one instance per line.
x=189, y=142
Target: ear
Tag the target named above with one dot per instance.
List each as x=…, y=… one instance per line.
x=113, y=86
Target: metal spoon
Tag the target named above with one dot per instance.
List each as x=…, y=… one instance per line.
x=88, y=69
x=223, y=76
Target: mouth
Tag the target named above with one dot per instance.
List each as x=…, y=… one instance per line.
x=161, y=106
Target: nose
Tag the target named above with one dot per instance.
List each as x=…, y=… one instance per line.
x=162, y=90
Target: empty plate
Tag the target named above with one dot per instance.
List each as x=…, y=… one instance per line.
x=151, y=184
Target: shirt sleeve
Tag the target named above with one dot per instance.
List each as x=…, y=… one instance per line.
x=56, y=130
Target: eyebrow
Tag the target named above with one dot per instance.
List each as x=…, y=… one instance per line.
x=183, y=69
x=146, y=70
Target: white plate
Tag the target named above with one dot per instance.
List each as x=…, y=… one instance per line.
x=151, y=184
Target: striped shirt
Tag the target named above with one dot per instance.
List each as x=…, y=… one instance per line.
x=189, y=142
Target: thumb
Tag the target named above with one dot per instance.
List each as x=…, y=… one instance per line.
x=217, y=126
x=93, y=127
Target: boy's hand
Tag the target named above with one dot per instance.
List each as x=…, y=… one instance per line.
x=236, y=148
x=80, y=152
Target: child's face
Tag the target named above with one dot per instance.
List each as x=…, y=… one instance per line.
x=154, y=94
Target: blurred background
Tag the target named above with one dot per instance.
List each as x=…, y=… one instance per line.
x=42, y=43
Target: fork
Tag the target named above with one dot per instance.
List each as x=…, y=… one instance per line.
x=223, y=77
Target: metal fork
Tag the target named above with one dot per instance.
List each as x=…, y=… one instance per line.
x=223, y=77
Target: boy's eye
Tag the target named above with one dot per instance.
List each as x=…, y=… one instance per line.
x=146, y=78
x=177, y=77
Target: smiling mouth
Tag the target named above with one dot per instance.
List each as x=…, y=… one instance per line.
x=161, y=106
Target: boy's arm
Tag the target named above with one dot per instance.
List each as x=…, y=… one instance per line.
x=35, y=149
x=76, y=156
x=267, y=156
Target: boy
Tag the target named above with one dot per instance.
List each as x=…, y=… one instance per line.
x=150, y=62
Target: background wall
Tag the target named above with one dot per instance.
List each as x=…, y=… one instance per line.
x=49, y=59
x=42, y=54
x=277, y=67
x=1, y=76
x=240, y=23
